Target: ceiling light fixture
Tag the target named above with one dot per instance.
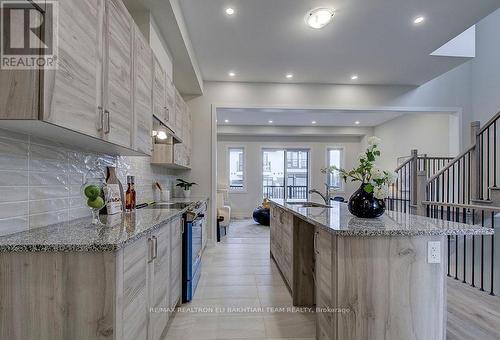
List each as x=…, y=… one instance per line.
x=289, y=76
x=270, y=122
x=313, y=122
x=319, y=17
x=354, y=77
x=229, y=11
x=232, y=74
x=226, y=121
x=418, y=20
x=357, y=122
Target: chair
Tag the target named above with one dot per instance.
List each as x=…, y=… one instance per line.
x=223, y=209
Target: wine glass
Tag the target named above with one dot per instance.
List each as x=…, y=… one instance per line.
x=92, y=192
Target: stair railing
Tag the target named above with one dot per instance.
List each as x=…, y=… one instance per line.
x=486, y=142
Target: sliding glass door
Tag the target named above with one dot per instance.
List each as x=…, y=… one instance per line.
x=285, y=173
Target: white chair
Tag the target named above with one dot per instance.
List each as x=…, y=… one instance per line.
x=223, y=209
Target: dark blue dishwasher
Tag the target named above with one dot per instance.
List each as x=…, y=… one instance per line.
x=191, y=252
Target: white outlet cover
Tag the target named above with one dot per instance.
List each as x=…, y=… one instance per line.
x=434, y=252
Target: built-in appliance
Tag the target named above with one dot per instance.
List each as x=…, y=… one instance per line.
x=192, y=249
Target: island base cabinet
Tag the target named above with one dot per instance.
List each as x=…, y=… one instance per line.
x=386, y=289
x=281, y=227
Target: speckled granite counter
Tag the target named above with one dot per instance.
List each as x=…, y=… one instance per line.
x=340, y=221
x=80, y=235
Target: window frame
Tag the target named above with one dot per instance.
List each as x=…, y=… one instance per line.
x=342, y=165
x=243, y=189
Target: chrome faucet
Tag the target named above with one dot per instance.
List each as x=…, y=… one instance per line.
x=326, y=197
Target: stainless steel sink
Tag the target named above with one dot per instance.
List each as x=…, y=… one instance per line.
x=167, y=205
x=310, y=204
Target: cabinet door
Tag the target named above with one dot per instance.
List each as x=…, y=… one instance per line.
x=118, y=90
x=323, y=243
x=135, y=291
x=143, y=82
x=159, y=283
x=72, y=93
x=170, y=101
x=176, y=261
x=159, y=91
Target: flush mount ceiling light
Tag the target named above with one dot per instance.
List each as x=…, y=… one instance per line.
x=232, y=74
x=357, y=122
x=226, y=121
x=354, y=77
x=418, y=20
x=289, y=76
x=270, y=122
x=229, y=11
x=319, y=17
x=313, y=122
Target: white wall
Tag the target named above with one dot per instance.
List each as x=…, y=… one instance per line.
x=486, y=69
x=429, y=133
x=242, y=204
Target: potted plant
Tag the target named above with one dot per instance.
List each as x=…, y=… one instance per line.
x=186, y=186
x=368, y=200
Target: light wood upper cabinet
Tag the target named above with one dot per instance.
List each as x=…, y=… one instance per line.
x=118, y=75
x=170, y=111
x=72, y=93
x=159, y=91
x=143, y=105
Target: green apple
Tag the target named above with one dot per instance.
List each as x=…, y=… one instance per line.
x=92, y=191
x=96, y=203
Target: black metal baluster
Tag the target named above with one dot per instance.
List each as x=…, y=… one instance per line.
x=492, y=274
x=488, y=162
x=495, y=153
x=473, y=249
x=482, y=252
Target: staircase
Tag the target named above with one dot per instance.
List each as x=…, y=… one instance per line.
x=463, y=189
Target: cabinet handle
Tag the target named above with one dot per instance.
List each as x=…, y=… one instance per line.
x=155, y=247
x=99, y=118
x=150, y=250
x=167, y=115
x=182, y=226
x=106, y=121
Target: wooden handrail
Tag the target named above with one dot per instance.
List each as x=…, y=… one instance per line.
x=450, y=164
x=466, y=206
x=489, y=123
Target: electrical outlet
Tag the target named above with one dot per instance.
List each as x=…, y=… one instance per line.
x=434, y=252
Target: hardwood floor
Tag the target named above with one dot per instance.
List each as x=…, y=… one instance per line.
x=472, y=314
x=240, y=285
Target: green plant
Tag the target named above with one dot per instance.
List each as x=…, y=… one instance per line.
x=375, y=180
x=185, y=184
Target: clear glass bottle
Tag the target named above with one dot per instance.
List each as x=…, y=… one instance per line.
x=130, y=195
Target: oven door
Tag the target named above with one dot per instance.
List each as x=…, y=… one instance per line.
x=196, y=230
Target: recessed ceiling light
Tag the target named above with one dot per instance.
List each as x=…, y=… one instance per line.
x=270, y=122
x=232, y=74
x=313, y=122
x=418, y=20
x=226, y=121
x=357, y=122
x=229, y=11
x=354, y=77
x=289, y=76
x=319, y=17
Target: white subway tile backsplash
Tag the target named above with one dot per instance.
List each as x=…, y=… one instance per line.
x=40, y=181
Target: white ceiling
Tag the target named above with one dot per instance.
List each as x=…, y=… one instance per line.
x=376, y=39
x=295, y=117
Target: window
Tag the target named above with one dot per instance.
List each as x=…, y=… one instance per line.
x=236, y=158
x=285, y=174
x=335, y=158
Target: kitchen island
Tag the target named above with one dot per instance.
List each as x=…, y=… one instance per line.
x=368, y=278
x=75, y=280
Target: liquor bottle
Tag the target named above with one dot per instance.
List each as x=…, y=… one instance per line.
x=130, y=194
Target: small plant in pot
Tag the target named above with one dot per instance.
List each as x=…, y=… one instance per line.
x=368, y=200
x=186, y=186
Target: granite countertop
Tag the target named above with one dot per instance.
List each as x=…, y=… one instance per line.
x=340, y=221
x=80, y=235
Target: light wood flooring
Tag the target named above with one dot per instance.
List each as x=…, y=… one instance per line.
x=241, y=288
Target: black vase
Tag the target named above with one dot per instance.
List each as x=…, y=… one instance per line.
x=365, y=205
